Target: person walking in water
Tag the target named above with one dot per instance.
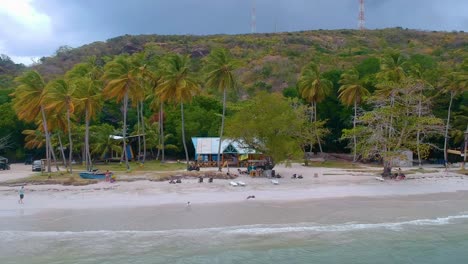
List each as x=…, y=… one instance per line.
x=21, y=195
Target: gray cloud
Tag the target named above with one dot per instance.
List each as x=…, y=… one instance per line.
x=77, y=22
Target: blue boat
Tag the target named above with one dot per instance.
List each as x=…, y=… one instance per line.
x=93, y=175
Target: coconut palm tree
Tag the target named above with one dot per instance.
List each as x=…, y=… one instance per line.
x=120, y=75
x=60, y=97
x=102, y=144
x=86, y=79
x=352, y=92
x=313, y=87
x=28, y=103
x=453, y=83
x=391, y=76
x=177, y=86
x=220, y=67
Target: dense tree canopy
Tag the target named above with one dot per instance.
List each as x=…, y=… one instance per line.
x=155, y=81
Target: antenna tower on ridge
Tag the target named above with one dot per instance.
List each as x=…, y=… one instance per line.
x=361, y=15
x=253, y=17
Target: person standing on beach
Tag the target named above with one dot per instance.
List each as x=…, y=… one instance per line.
x=108, y=176
x=21, y=194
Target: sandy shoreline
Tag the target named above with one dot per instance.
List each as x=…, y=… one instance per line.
x=330, y=183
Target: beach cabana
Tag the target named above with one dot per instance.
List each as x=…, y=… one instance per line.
x=233, y=152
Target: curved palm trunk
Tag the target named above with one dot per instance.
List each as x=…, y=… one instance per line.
x=354, y=129
x=183, y=133
x=124, y=130
x=54, y=158
x=47, y=136
x=70, y=154
x=315, y=120
x=62, y=153
x=446, y=130
x=221, y=130
x=161, y=122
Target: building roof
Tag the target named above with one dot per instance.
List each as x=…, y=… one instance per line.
x=209, y=145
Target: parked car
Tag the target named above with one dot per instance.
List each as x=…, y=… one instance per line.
x=37, y=165
x=4, y=164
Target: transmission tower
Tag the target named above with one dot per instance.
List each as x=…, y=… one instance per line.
x=253, y=19
x=361, y=15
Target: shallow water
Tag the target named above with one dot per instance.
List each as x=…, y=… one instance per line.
x=443, y=240
x=419, y=230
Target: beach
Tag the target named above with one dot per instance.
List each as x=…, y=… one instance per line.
x=340, y=209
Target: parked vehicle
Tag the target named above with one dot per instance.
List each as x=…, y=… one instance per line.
x=37, y=165
x=4, y=164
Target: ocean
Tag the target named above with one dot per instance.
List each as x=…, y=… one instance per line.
x=143, y=235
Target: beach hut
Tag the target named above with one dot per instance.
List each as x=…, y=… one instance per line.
x=233, y=152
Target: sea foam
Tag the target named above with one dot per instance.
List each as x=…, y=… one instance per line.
x=247, y=230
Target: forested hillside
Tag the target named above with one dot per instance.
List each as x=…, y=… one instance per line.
x=403, y=71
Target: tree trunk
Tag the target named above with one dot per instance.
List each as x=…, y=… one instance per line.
x=47, y=136
x=221, y=130
x=138, y=131
x=161, y=120
x=354, y=133
x=51, y=149
x=143, y=130
x=446, y=130
x=183, y=133
x=62, y=153
x=316, y=133
x=87, y=152
x=70, y=153
x=124, y=129
x=418, y=133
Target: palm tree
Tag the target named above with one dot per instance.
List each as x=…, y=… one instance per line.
x=352, y=92
x=453, y=83
x=120, y=75
x=153, y=74
x=28, y=103
x=177, y=86
x=313, y=87
x=220, y=67
x=102, y=143
x=60, y=97
x=86, y=79
x=391, y=76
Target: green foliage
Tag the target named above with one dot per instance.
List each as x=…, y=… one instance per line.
x=269, y=130
x=263, y=62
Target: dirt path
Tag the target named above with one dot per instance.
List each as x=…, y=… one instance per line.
x=17, y=171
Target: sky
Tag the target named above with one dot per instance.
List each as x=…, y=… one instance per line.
x=30, y=29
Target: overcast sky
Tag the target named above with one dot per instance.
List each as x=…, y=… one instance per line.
x=36, y=28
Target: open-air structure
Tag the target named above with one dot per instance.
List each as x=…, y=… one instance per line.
x=233, y=153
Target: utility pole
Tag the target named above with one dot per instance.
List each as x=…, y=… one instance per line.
x=361, y=18
x=465, y=146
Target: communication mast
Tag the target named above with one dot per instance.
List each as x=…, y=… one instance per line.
x=361, y=15
x=253, y=19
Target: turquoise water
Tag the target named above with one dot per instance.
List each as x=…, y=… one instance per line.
x=428, y=241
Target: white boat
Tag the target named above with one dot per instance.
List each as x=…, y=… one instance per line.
x=240, y=183
x=275, y=182
x=233, y=183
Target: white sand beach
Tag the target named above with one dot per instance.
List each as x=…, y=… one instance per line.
x=329, y=183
